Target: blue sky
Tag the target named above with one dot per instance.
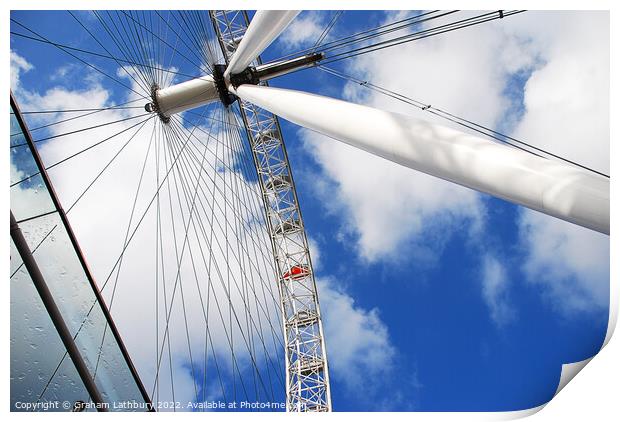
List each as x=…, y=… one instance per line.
x=459, y=301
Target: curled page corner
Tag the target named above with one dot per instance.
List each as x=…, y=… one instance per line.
x=569, y=370
x=518, y=414
x=613, y=312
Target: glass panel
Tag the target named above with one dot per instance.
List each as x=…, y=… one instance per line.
x=40, y=228
x=36, y=349
x=23, y=163
x=66, y=386
x=17, y=137
x=40, y=369
x=71, y=289
x=30, y=197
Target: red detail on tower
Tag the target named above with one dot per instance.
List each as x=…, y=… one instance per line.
x=296, y=272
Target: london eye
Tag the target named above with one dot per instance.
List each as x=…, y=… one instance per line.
x=196, y=282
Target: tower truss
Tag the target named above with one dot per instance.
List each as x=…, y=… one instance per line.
x=307, y=375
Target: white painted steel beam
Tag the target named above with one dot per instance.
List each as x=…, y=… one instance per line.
x=548, y=186
x=186, y=95
x=265, y=27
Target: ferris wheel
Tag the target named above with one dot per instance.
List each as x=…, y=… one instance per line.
x=203, y=283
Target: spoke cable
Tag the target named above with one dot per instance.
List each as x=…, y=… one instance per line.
x=484, y=130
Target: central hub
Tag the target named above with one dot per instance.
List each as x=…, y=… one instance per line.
x=220, y=84
x=154, y=106
x=206, y=89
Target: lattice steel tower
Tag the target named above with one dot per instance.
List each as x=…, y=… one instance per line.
x=307, y=375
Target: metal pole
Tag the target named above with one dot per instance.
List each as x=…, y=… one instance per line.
x=545, y=185
x=55, y=315
x=264, y=28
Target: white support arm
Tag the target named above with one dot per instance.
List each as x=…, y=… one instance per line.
x=264, y=28
x=551, y=187
x=186, y=95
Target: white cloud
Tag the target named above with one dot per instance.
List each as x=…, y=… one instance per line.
x=495, y=283
x=385, y=206
x=570, y=263
x=360, y=352
x=567, y=112
x=18, y=65
x=362, y=357
x=567, y=97
x=564, y=57
x=315, y=253
x=464, y=73
x=304, y=31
